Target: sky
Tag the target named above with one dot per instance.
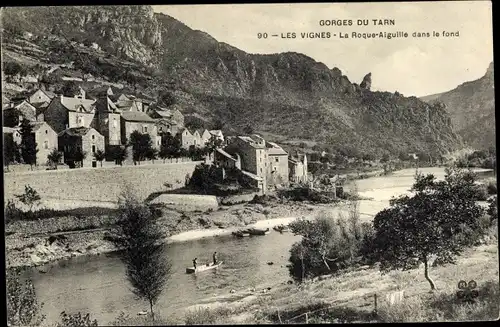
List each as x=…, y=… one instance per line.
x=412, y=66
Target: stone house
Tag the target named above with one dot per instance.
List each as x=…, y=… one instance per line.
x=41, y=96
x=188, y=138
x=13, y=115
x=84, y=139
x=277, y=172
x=224, y=159
x=107, y=122
x=69, y=112
x=204, y=136
x=138, y=121
x=46, y=140
x=167, y=121
x=298, y=168
x=12, y=132
x=253, y=155
x=217, y=133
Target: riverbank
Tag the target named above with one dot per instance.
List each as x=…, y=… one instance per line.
x=36, y=243
x=349, y=298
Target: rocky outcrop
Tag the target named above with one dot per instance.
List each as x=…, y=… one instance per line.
x=367, y=82
x=471, y=106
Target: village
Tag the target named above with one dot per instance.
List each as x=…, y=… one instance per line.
x=95, y=125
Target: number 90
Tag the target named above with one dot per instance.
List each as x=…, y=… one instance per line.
x=262, y=35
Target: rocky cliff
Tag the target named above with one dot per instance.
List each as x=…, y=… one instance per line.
x=471, y=106
x=287, y=96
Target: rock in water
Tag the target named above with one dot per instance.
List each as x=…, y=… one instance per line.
x=367, y=82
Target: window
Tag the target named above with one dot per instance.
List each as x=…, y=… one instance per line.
x=46, y=131
x=114, y=123
x=93, y=137
x=161, y=129
x=277, y=159
x=261, y=170
x=46, y=144
x=145, y=129
x=93, y=147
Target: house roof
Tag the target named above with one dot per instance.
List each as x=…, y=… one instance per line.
x=251, y=142
x=76, y=131
x=252, y=176
x=37, y=125
x=275, y=150
x=136, y=116
x=73, y=104
x=216, y=132
x=9, y=130
x=47, y=93
x=225, y=154
x=165, y=113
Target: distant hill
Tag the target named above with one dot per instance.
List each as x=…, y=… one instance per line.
x=288, y=95
x=471, y=106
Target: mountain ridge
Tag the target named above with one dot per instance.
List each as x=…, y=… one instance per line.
x=471, y=106
x=268, y=93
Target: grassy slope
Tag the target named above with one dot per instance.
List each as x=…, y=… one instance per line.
x=350, y=297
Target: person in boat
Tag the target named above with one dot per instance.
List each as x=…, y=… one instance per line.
x=195, y=262
x=215, y=257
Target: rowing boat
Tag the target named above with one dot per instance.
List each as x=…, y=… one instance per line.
x=241, y=234
x=281, y=228
x=208, y=266
x=256, y=231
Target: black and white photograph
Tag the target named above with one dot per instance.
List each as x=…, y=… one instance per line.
x=258, y=163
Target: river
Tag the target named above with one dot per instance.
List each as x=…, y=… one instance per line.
x=97, y=285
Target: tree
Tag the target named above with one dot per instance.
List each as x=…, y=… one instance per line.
x=167, y=98
x=152, y=154
x=368, y=157
x=69, y=89
x=164, y=153
x=118, y=154
x=28, y=144
x=30, y=197
x=213, y=144
x=248, y=129
x=385, y=158
x=23, y=308
x=440, y=219
x=99, y=155
x=11, y=151
x=327, y=244
x=141, y=239
x=54, y=157
x=79, y=155
x=493, y=207
x=141, y=145
x=171, y=146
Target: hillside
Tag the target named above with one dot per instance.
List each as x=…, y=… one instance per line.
x=472, y=109
x=214, y=82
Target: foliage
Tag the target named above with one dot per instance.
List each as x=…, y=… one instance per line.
x=28, y=144
x=152, y=154
x=167, y=98
x=118, y=154
x=11, y=152
x=30, y=197
x=143, y=254
x=440, y=219
x=79, y=155
x=170, y=146
x=22, y=304
x=480, y=159
x=13, y=68
x=328, y=245
x=54, y=157
x=69, y=89
x=76, y=320
x=206, y=316
x=493, y=208
x=141, y=145
x=99, y=155
x=385, y=157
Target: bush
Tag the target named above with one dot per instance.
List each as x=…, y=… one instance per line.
x=76, y=320
x=206, y=316
x=481, y=193
x=22, y=304
x=328, y=245
x=493, y=208
x=491, y=187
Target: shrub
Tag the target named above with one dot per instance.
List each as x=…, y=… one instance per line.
x=493, y=208
x=76, y=320
x=206, y=316
x=491, y=187
x=328, y=245
x=22, y=304
x=481, y=192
